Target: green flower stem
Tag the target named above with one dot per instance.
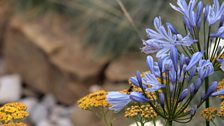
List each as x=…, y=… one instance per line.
x=170, y=123
x=213, y=122
x=207, y=104
x=154, y=122
x=208, y=43
x=107, y=123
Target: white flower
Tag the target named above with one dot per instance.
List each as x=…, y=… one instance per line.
x=158, y=123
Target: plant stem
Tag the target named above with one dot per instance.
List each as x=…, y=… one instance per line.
x=154, y=122
x=129, y=18
x=170, y=123
x=207, y=104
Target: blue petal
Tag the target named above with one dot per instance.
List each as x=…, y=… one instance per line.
x=171, y=28
x=151, y=79
x=174, y=57
x=192, y=89
x=205, y=68
x=219, y=33
x=183, y=95
x=218, y=93
x=161, y=98
x=117, y=100
x=150, y=64
x=138, y=97
x=211, y=89
x=198, y=84
x=192, y=72
x=194, y=60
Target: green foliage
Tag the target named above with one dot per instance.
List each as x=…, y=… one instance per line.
x=103, y=21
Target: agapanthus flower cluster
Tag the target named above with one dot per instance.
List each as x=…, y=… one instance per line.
x=184, y=61
x=201, y=32
x=175, y=79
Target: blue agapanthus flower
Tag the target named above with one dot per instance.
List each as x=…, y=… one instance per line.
x=192, y=18
x=175, y=79
x=119, y=100
x=162, y=39
x=214, y=12
x=219, y=33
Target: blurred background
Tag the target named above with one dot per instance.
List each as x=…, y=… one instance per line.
x=53, y=52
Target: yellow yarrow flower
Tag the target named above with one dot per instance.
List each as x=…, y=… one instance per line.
x=18, y=105
x=220, y=87
x=221, y=112
x=144, y=111
x=15, y=124
x=5, y=118
x=20, y=115
x=94, y=100
x=209, y=113
x=13, y=112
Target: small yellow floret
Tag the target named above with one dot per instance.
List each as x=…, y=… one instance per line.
x=145, y=111
x=221, y=112
x=18, y=105
x=13, y=112
x=94, y=100
x=15, y=124
x=209, y=113
x=220, y=87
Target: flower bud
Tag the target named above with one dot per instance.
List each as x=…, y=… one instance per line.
x=161, y=98
x=183, y=95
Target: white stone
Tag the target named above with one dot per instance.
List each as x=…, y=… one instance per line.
x=64, y=122
x=45, y=123
x=38, y=113
x=60, y=111
x=30, y=102
x=158, y=123
x=49, y=101
x=10, y=88
x=94, y=88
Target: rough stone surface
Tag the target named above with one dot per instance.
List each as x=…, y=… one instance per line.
x=50, y=62
x=126, y=66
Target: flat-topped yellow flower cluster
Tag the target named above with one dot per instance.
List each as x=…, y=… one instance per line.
x=15, y=124
x=12, y=114
x=94, y=100
x=144, y=111
x=209, y=113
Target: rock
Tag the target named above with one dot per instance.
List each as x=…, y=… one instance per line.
x=64, y=122
x=125, y=67
x=60, y=111
x=38, y=113
x=85, y=118
x=45, y=123
x=49, y=101
x=11, y=89
x=30, y=102
x=27, y=92
x=50, y=59
x=5, y=16
x=94, y=88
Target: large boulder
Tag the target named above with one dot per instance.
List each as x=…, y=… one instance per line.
x=50, y=59
x=126, y=66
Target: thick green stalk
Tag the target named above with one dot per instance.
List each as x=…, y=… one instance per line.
x=154, y=122
x=207, y=104
x=170, y=123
